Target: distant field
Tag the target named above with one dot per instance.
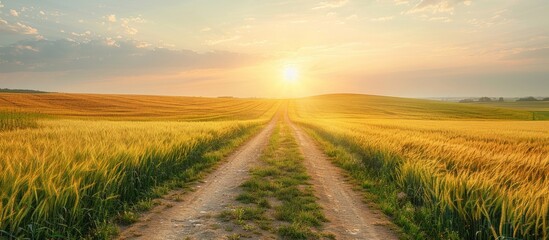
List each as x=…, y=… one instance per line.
x=524, y=105
x=70, y=175
x=354, y=105
x=539, y=109
x=471, y=171
x=137, y=107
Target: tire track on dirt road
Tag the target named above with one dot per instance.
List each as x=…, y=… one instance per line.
x=195, y=217
x=348, y=215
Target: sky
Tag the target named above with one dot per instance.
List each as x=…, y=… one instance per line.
x=247, y=48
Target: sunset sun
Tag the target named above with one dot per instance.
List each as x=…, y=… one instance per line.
x=290, y=73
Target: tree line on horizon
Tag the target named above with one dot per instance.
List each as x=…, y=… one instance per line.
x=501, y=99
x=8, y=90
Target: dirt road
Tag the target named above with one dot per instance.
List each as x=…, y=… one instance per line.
x=194, y=217
x=349, y=216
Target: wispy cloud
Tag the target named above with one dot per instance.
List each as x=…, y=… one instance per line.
x=17, y=28
x=111, y=18
x=497, y=18
x=14, y=13
x=111, y=42
x=222, y=40
x=382, y=19
x=331, y=4
x=26, y=48
x=84, y=34
x=126, y=24
x=110, y=56
x=351, y=17
x=438, y=6
x=541, y=53
x=440, y=19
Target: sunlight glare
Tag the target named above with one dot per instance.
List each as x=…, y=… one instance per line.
x=290, y=73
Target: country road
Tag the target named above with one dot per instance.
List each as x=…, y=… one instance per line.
x=348, y=215
x=194, y=217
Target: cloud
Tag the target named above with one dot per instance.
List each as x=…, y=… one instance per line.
x=111, y=42
x=497, y=18
x=222, y=40
x=110, y=56
x=111, y=18
x=25, y=47
x=14, y=13
x=331, y=4
x=440, y=19
x=130, y=30
x=84, y=34
x=125, y=23
x=351, y=17
x=530, y=54
x=382, y=19
x=438, y=6
x=139, y=44
x=401, y=2
x=56, y=14
x=134, y=20
x=17, y=28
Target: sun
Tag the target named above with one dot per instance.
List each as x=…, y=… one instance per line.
x=290, y=73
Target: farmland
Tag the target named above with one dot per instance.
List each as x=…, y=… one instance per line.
x=68, y=171
x=462, y=171
x=73, y=165
x=135, y=107
x=539, y=109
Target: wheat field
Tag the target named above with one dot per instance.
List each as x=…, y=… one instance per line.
x=71, y=163
x=483, y=172
x=137, y=107
x=65, y=177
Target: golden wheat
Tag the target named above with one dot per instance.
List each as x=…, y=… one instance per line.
x=59, y=177
x=64, y=177
x=490, y=177
x=137, y=107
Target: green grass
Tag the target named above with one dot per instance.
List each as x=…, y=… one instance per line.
x=540, y=115
x=538, y=110
x=95, y=211
x=278, y=197
x=196, y=170
x=440, y=170
x=17, y=120
x=381, y=189
x=529, y=106
x=376, y=171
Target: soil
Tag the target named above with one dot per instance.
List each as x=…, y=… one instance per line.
x=349, y=217
x=194, y=215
